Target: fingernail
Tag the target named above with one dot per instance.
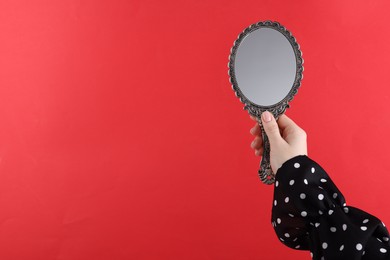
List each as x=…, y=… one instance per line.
x=251, y=131
x=257, y=152
x=266, y=116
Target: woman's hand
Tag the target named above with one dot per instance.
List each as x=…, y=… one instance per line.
x=287, y=140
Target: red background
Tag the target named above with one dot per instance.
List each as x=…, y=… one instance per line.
x=121, y=137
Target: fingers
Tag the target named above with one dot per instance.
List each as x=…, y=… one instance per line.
x=259, y=152
x=271, y=128
x=255, y=130
x=257, y=143
x=280, y=133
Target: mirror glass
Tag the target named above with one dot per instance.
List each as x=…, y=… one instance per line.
x=265, y=66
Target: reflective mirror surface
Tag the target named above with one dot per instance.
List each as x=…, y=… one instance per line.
x=265, y=66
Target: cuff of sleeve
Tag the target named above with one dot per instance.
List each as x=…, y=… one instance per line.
x=307, y=186
x=293, y=163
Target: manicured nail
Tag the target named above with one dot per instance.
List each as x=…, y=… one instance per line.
x=266, y=116
x=257, y=152
x=253, y=144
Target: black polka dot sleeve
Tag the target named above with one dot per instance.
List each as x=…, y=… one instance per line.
x=310, y=213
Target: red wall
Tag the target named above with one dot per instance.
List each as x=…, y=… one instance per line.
x=121, y=137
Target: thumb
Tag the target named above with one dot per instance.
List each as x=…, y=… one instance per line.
x=271, y=128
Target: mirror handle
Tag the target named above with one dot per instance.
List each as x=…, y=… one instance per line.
x=265, y=172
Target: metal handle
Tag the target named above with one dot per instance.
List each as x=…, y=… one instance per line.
x=265, y=172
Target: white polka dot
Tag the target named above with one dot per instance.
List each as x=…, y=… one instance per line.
x=330, y=212
x=359, y=246
x=383, y=224
x=320, y=212
x=321, y=196
x=311, y=254
x=275, y=202
x=323, y=180
x=363, y=228
x=313, y=170
x=320, y=187
x=365, y=221
x=295, y=239
x=383, y=250
x=298, y=246
x=324, y=245
x=333, y=229
x=286, y=199
x=344, y=204
x=303, y=213
x=344, y=227
x=302, y=196
x=317, y=224
x=278, y=220
x=281, y=239
x=305, y=181
x=276, y=183
x=291, y=215
x=386, y=239
x=287, y=235
x=341, y=247
x=334, y=195
x=291, y=182
x=379, y=240
x=346, y=210
x=364, y=252
x=297, y=165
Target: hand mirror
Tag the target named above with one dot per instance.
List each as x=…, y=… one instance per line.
x=265, y=69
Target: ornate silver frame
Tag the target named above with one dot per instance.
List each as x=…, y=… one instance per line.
x=265, y=172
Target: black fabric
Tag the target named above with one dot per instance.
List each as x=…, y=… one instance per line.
x=310, y=213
